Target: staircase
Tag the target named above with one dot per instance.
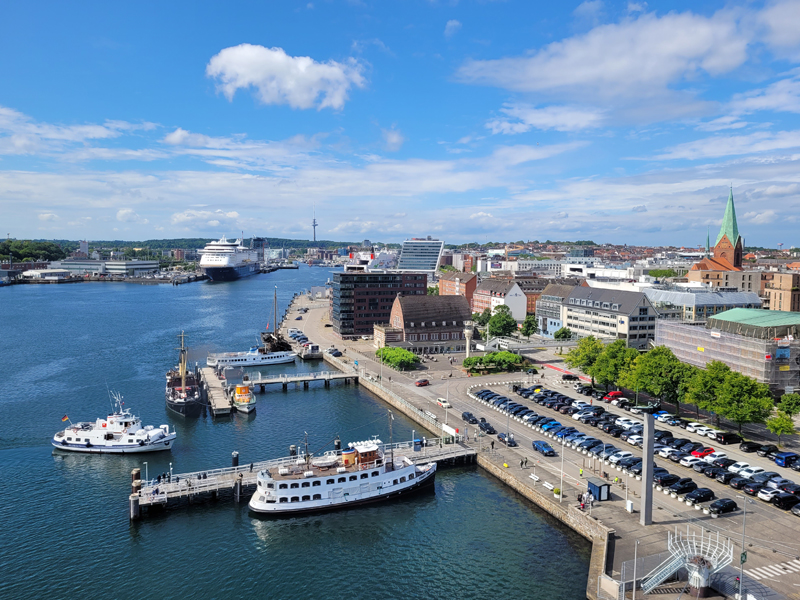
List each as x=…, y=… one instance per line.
x=662, y=572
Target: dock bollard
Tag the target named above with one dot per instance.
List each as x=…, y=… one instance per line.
x=133, y=500
x=136, y=475
x=136, y=487
x=235, y=459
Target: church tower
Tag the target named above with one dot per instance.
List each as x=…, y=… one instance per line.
x=729, y=243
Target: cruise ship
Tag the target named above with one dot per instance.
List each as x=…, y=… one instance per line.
x=224, y=260
x=364, y=473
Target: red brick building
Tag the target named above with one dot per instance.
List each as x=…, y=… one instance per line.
x=426, y=324
x=458, y=284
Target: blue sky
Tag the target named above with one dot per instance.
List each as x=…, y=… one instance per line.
x=466, y=120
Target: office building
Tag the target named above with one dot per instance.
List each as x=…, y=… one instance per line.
x=420, y=255
x=458, y=284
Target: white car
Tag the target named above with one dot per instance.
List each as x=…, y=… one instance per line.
x=689, y=461
x=767, y=494
x=580, y=404
x=659, y=447
x=635, y=440
x=704, y=431
x=615, y=458
x=664, y=418
x=635, y=411
x=692, y=427
x=632, y=423
x=667, y=452
x=750, y=471
x=715, y=456
x=737, y=467
x=579, y=414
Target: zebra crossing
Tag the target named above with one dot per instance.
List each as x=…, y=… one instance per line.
x=791, y=567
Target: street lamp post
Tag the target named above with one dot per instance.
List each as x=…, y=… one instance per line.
x=635, y=555
x=561, y=495
x=741, y=562
x=146, y=478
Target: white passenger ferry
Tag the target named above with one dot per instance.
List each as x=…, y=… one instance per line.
x=119, y=433
x=362, y=474
x=255, y=357
x=227, y=261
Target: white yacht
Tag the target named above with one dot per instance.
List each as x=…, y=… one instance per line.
x=119, y=433
x=224, y=260
x=364, y=473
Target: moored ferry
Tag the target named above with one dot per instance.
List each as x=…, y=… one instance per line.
x=183, y=394
x=119, y=433
x=362, y=474
x=224, y=260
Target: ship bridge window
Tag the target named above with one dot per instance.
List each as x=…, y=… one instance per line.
x=402, y=480
x=364, y=476
x=306, y=484
x=283, y=486
x=353, y=477
x=130, y=441
x=69, y=439
x=306, y=498
x=294, y=485
x=316, y=483
x=270, y=486
x=295, y=498
x=374, y=474
x=283, y=499
x=317, y=496
x=330, y=482
x=411, y=476
x=395, y=482
x=342, y=479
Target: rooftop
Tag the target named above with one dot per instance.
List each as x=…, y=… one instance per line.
x=755, y=317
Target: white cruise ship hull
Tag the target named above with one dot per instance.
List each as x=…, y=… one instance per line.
x=231, y=273
x=323, y=497
x=164, y=443
x=249, y=359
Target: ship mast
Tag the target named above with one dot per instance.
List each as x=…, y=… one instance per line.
x=391, y=443
x=182, y=364
x=275, y=308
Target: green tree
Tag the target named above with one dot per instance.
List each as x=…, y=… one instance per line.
x=397, y=358
x=482, y=319
x=790, y=404
x=743, y=400
x=781, y=424
x=502, y=323
x=614, y=358
x=585, y=355
x=686, y=374
x=705, y=386
x=563, y=334
x=662, y=273
x=529, y=326
x=433, y=291
x=657, y=373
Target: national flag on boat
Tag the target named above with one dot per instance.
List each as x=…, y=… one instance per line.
x=65, y=418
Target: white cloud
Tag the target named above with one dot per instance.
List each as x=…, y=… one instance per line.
x=641, y=208
x=781, y=96
x=393, y=139
x=633, y=66
x=208, y=217
x=128, y=215
x=634, y=7
x=48, y=217
x=779, y=20
x=726, y=122
x=481, y=215
x=299, y=81
x=520, y=118
x=451, y=28
x=590, y=10
x=760, y=218
x=718, y=146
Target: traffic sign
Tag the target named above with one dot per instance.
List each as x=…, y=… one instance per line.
x=743, y=557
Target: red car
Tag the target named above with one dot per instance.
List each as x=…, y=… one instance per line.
x=424, y=382
x=703, y=452
x=611, y=395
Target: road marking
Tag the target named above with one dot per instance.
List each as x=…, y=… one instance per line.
x=776, y=570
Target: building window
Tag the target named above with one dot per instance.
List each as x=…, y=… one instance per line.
x=643, y=311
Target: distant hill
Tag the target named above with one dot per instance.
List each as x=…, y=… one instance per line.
x=189, y=243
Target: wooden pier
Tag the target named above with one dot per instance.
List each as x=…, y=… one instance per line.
x=216, y=393
x=173, y=488
x=305, y=378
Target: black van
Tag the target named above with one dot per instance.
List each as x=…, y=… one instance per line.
x=785, y=501
x=726, y=437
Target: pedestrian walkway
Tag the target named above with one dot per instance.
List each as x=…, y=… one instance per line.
x=775, y=571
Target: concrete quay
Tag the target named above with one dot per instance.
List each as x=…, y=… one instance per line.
x=771, y=541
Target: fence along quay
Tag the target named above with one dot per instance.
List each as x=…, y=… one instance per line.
x=173, y=488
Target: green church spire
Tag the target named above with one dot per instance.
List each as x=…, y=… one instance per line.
x=708, y=241
x=729, y=226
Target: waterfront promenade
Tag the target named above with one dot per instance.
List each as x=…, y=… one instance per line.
x=771, y=541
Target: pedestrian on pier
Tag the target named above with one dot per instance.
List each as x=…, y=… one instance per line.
x=581, y=500
x=492, y=445
x=520, y=463
x=591, y=499
x=526, y=462
x=581, y=472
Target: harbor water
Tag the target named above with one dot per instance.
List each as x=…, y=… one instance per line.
x=66, y=532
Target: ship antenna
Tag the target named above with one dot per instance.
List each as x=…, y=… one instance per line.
x=306, y=442
x=109, y=398
x=391, y=441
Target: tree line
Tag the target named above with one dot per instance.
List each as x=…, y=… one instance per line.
x=715, y=389
x=29, y=250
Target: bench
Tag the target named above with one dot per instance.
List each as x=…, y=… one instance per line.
x=548, y=485
x=534, y=477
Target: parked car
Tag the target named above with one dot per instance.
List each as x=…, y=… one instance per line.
x=691, y=447
x=543, y=448
x=749, y=446
x=699, y=496
x=785, y=459
x=618, y=456
x=750, y=472
x=785, y=501
x=487, y=428
x=683, y=486
x=690, y=461
x=701, y=466
x=714, y=472
x=767, y=494
x=569, y=377
x=777, y=482
x=678, y=443
x=690, y=427
x=469, y=417
x=678, y=456
x=716, y=455
x=703, y=452
x=766, y=449
x=726, y=437
x=724, y=462
x=666, y=479
x=508, y=440
x=722, y=506
x=588, y=444
x=738, y=466
x=675, y=422
x=751, y=488
x=726, y=477
x=738, y=483
x=764, y=476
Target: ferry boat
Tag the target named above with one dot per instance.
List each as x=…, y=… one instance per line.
x=364, y=473
x=243, y=398
x=224, y=260
x=183, y=394
x=119, y=433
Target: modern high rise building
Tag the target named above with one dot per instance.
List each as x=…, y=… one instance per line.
x=420, y=255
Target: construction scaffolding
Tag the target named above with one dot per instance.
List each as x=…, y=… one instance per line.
x=774, y=361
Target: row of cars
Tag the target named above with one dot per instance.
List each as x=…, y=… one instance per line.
x=740, y=475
